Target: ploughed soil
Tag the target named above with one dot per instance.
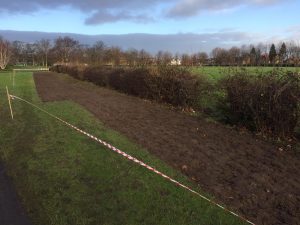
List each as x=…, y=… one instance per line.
x=250, y=176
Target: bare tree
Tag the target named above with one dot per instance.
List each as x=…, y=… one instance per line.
x=220, y=55
x=18, y=52
x=79, y=54
x=96, y=53
x=245, y=55
x=297, y=53
x=113, y=56
x=262, y=54
x=167, y=58
x=64, y=46
x=202, y=57
x=234, y=56
x=131, y=57
x=194, y=59
x=5, y=53
x=186, y=60
x=44, y=46
x=163, y=58
x=31, y=54
x=144, y=58
x=159, y=57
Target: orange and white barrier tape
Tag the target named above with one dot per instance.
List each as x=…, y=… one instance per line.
x=131, y=158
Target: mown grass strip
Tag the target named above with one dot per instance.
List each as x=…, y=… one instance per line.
x=64, y=178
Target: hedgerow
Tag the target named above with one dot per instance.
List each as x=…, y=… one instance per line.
x=267, y=103
x=172, y=85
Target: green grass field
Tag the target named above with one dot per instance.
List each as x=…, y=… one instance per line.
x=215, y=73
x=64, y=178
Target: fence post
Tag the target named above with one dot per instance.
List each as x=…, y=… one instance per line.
x=13, y=77
x=9, y=102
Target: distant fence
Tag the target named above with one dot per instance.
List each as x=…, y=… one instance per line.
x=26, y=70
x=33, y=69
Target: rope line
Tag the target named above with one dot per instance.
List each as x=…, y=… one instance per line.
x=131, y=158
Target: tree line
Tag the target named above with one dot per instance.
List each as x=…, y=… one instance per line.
x=282, y=54
x=66, y=50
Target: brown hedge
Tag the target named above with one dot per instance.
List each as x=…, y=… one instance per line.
x=166, y=84
x=267, y=103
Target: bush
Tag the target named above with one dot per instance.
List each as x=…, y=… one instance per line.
x=96, y=75
x=176, y=86
x=167, y=84
x=266, y=103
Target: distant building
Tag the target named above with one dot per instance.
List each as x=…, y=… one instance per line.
x=175, y=62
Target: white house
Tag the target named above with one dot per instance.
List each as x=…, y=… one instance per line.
x=175, y=62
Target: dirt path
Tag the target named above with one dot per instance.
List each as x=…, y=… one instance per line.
x=11, y=211
x=252, y=177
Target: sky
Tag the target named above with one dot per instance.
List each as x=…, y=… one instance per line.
x=219, y=23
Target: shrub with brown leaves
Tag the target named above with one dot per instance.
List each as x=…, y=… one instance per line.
x=168, y=84
x=266, y=103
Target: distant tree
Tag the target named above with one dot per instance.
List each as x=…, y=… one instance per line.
x=108, y=57
x=220, y=56
x=5, y=53
x=245, y=55
x=186, y=60
x=44, y=46
x=131, y=57
x=272, y=54
x=116, y=54
x=167, y=57
x=293, y=51
x=234, y=54
x=253, y=57
x=64, y=46
x=163, y=58
x=283, y=53
x=113, y=56
x=18, y=52
x=79, y=54
x=144, y=58
x=158, y=58
x=258, y=57
x=202, y=57
x=31, y=53
x=262, y=54
x=215, y=54
x=194, y=60
x=96, y=53
x=289, y=50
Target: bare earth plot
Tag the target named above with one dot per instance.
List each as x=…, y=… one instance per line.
x=250, y=176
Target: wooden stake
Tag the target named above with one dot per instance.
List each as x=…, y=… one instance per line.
x=9, y=102
x=13, y=77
